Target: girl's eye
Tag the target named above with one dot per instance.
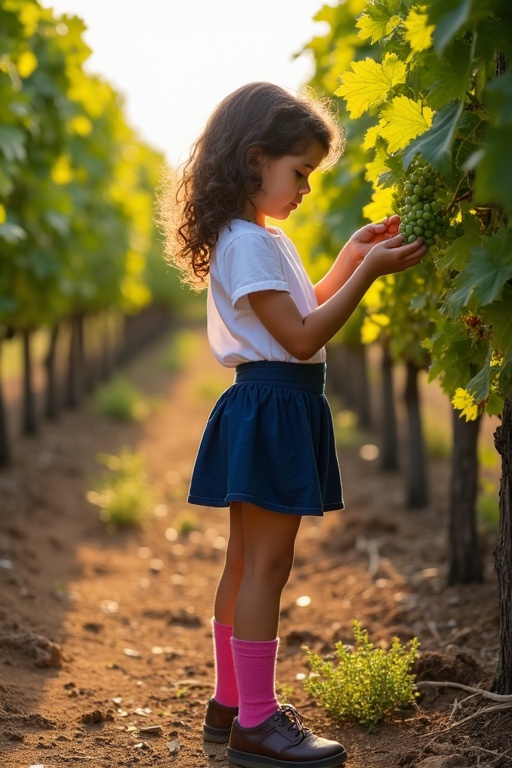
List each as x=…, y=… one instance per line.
x=298, y=174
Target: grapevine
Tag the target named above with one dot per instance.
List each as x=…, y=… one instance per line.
x=417, y=203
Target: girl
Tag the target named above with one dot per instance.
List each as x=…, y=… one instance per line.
x=268, y=448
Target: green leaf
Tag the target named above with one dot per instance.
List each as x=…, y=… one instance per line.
x=12, y=143
x=488, y=269
x=403, y=120
x=480, y=384
x=435, y=146
x=11, y=233
x=447, y=76
x=505, y=381
x=494, y=405
x=499, y=93
x=499, y=315
x=449, y=16
x=493, y=182
x=370, y=83
x=457, y=254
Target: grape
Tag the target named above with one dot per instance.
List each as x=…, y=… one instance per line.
x=420, y=213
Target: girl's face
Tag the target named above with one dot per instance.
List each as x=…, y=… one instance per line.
x=284, y=182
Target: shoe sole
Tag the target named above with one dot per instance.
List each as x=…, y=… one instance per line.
x=216, y=735
x=248, y=760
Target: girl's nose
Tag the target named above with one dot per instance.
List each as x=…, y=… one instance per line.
x=305, y=188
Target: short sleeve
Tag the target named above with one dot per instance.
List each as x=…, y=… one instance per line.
x=251, y=263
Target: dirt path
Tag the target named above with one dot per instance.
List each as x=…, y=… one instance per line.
x=105, y=634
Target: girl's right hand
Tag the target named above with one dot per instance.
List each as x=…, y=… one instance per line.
x=392, y=256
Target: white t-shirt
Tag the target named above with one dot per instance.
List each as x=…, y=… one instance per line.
x=246, y=259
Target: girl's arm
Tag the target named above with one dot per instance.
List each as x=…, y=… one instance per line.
x=301, y=336
x=352, y=254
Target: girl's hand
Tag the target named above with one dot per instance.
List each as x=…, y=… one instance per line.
x=365, y=238
x=353, y=253
x=391, y=255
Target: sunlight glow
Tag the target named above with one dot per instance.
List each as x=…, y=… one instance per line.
x=173, y=62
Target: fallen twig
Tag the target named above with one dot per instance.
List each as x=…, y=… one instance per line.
x=492, y=752
x=371, y=547
x=484, y=711
x=501, y=698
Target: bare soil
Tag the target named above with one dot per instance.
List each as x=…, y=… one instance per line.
x=105, y=637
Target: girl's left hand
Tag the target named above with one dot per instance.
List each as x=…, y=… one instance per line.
x=369, y=235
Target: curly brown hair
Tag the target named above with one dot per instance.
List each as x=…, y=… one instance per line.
x=219, y=177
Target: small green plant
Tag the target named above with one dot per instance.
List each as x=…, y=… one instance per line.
x=346, y=429
x=183, y=347
x=209, y=388
x=121, y=400
x=185, y=523
x=123, y=494
x=284, y=692
x=367, y=684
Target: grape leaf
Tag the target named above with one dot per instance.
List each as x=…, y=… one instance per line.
x=488, y=269
x=404, y=119
x=418, y=31
x=499, y=93
x=449, y=16
x=456, y=255
x=369, y=83
x=464, y=402
x=380, y=206
x=505, y=381
x=499, y=315
x=435, y=146
x=480, y=384
x=493, y=179
x=377, y=22
x=447, y=76
x=371, y=136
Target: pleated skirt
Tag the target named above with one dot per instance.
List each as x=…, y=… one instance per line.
x=270, y=441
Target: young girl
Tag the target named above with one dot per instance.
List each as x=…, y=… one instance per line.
x=268, y=448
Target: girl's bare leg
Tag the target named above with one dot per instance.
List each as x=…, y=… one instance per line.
x=231, y=578
x=269, y=542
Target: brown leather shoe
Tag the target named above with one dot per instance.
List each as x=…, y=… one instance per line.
x=217, y=722
x=282, y=741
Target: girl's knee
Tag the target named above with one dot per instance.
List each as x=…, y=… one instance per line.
x=273, y=572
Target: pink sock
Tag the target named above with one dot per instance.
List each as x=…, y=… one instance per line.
x=255, y=665
x=226, y=691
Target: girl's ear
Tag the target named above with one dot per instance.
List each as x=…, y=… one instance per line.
x=255, y=158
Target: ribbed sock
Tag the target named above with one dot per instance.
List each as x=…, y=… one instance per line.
x=226, y=691
x=255, y=666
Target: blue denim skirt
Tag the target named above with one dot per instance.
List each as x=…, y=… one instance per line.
x=270, y=441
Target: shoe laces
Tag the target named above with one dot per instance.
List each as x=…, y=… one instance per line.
x=292, y=719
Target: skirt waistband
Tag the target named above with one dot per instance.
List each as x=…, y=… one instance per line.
x=308, y=377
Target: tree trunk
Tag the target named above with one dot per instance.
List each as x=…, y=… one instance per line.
x=74, y=377
x=90, y=352
x=503, y=553
x=417, y=495
x=465, y=557
x=362, y=394
x=107, y=362
x=29, y=418
x=389, y=442
x=52, y=400
x=5, y=449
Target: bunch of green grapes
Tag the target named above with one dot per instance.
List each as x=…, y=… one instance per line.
x=417, y=204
